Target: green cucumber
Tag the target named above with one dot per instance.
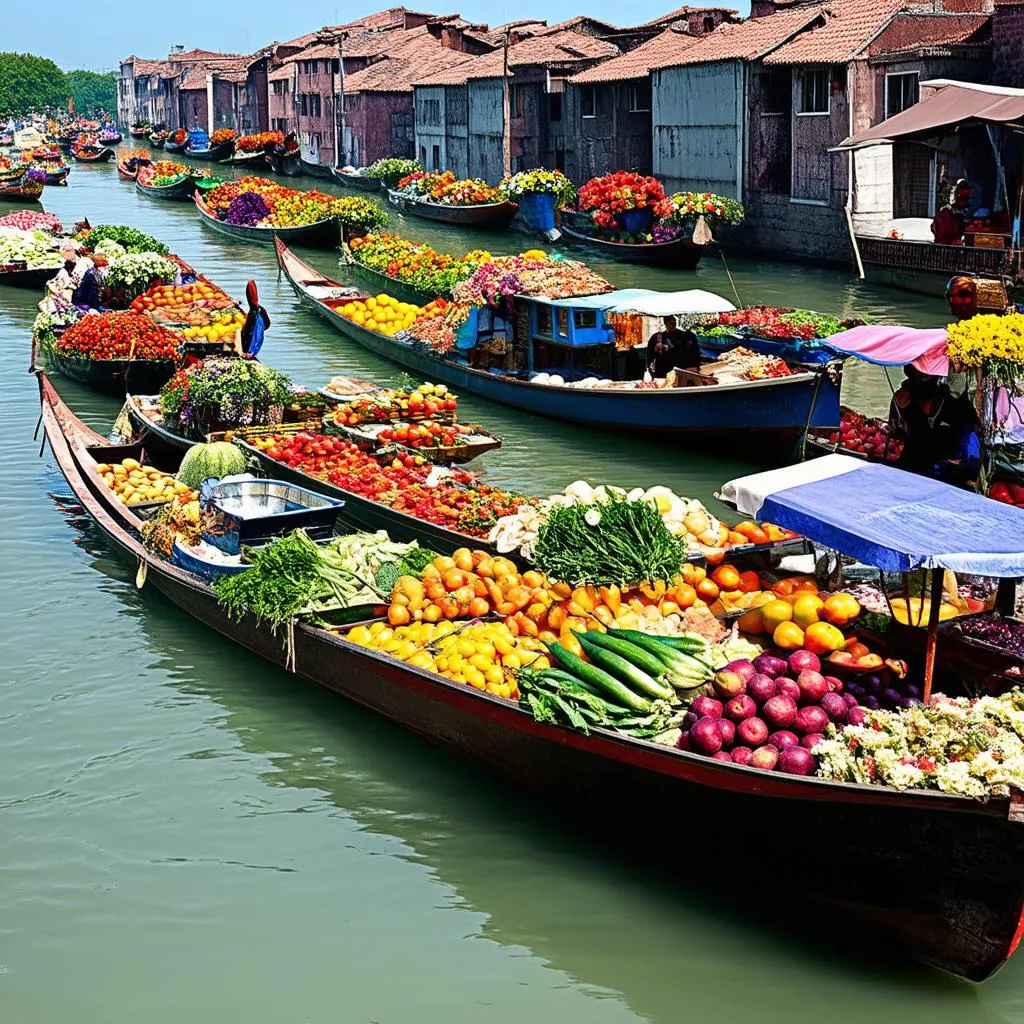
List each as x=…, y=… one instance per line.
x=565, y=682
x=595, y=676
x=634, y=677
x=631, y=652
x=669, y=656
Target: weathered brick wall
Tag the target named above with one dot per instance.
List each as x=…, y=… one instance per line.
x=777, y=226
x=1008, y=43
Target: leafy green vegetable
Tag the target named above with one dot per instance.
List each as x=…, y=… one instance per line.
x=132, y=239
x=617, y=541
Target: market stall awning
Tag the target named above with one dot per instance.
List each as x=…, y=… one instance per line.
x=953, y=103
x=886, y=517
x=648, y=302
x=888, y=345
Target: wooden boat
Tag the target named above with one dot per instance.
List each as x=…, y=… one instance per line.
x=12, y=175
x=767, y=414
x=93, y=154
x=377, y=281
x=258, y=158
x=217, y=152
x=158, y=139
x=358, y=182
x=174, y=147
x=680, y=253
x=116, y=376
x=21, y=192
x=938, y=877
x=141, y=132
x=35, y=278
x=324, y=234
x=492, y=216
x=110, y=138
x=315, y=170
x=288, y=165
x=125, y=173
x=57, y=175
x=177, y=191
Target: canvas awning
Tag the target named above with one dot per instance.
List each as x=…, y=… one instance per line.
x=895, y=346
x=648, y=302
x=954, y=103
x=886, y=517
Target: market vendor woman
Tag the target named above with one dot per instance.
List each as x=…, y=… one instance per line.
x=939, y=430
x=951, y=221
x=672, y=349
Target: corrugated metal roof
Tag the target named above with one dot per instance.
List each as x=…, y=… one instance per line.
x=661, y=51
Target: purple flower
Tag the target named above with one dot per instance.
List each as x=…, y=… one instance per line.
x=247, y=209
x=36, y=174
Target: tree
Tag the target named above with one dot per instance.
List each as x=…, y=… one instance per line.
x=28, y=82
x=92, y=91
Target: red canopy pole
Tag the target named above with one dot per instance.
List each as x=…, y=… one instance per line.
x=933, y=632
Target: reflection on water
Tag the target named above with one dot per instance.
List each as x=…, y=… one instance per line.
x=186, y=826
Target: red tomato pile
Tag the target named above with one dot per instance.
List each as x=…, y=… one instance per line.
x=427, y=434
x=460, y=502
x=119, y=336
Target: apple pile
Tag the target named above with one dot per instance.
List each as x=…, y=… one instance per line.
x=769, y=713
x=867, y=436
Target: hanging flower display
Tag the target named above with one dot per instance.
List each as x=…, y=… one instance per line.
x=609, y=197
x=685, y=207
x=992, y=343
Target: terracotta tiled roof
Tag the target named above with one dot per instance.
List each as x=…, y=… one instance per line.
x=403, y=64
x=150, y=67
x=751, y=39
x=189, y=56
x=496, y=35
x=488, y=66
x=849, y=26
x=908, y=32
x=659, y=52
x=683, y=12
x=283, y=72
x=194, y=78
x=574, y=23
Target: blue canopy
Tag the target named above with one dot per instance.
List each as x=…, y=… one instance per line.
x=886, y=517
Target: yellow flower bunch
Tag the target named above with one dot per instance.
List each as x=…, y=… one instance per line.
x=990, y=341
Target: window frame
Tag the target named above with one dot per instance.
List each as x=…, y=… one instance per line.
x=585, y=92
x=633, y=101
x=889, y=77
x=800, y=83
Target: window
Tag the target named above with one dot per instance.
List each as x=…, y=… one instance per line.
x=516, y=101
x=435, y=158
x=639, y=98
x=815, y=85
x=560, y=158
x=431, y=112
x=544, y=322
x=588, y=101
x=901, y=91
x=554, y=106
x=709, y=23
x=585, y=318
x=303, y=104
x=279, y=124
x=776, y=91
x=314, y=104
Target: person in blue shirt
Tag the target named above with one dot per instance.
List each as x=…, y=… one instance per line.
x=256, y=325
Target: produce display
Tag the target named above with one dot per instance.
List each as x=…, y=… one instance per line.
x=260, y=140
x=209, y=313
x=216, y=460
x=769, y=322
x=28, y=249
x=391, y=168
x=294, y=577
x=530, y=274
x=32, y=220
x=387, y=405
x=133, y=273
x=416, y=264
x=864, y=435
x=1007, y=492
x=162, y=172
x=128, y=238
x=484, y=655
x=608, y=197
x=1005, y=634
x=385, y=314
x=743, y=364
x=445, y=188
x=136, y=484
x=117, y=335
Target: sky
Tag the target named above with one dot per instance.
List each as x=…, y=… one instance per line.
x=97, y=34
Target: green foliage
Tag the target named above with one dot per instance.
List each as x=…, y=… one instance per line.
x=30, y=83
x=92, y=91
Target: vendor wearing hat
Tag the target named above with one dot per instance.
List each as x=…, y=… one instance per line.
x=939, y=430
x=257, y=323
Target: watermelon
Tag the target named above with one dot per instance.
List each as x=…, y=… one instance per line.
x=217, y=459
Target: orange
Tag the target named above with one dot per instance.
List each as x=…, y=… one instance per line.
x=839, y=609
x=727, y=577
x=774, y=613
x=752, y=622
x=708, y=590
x=806, y=608
x=788, y=636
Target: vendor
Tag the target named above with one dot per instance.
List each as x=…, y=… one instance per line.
x=951, y=221
x=940, y=431
x=672, y=349
x=257, y=323
x=962, y=296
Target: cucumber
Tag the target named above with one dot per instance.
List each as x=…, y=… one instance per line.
x=669, y=656
x=631, y=652
x=622, y=668
x=597, y=677
x=566, y=683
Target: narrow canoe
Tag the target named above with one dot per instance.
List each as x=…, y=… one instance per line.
x=17, y=193
x=57, y=176
x=110, y=138
x=116, y=376
x=124, y=173
x=35, y=278
x=178, y=191
x=243, y=159
x=139, y=133
x=158, y=140
x=766, y=415
x=98, y=156
x=315, y=170
x=324, y=234
x=680, y=253
x=288, y=165
x=358, y=182
x=174, y=147
x=492, y=216
x=219, y=152
x=938, y=878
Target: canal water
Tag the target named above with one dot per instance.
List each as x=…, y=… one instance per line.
x=189, y=834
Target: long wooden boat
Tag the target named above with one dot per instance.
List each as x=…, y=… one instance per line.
x=935, y=877
x=315, y=170
x=116, y=376
x=258, y=158
x=158, y=139
x=110, y=138
x=324, y=234
x=16, y=192
x=378, y=281
x=100, y=155
x=680, y=253
x=57, y=175
x=174, y=147
x=35, y=278
x=216, y=152
x=288, y=165
x=177, y=191
x=358, y=182
x=139, y=133
x=125, y=173
x=767, y=414
x=360, y=511
x=492, y=216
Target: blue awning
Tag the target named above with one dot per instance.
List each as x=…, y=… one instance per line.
x=886, y=517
